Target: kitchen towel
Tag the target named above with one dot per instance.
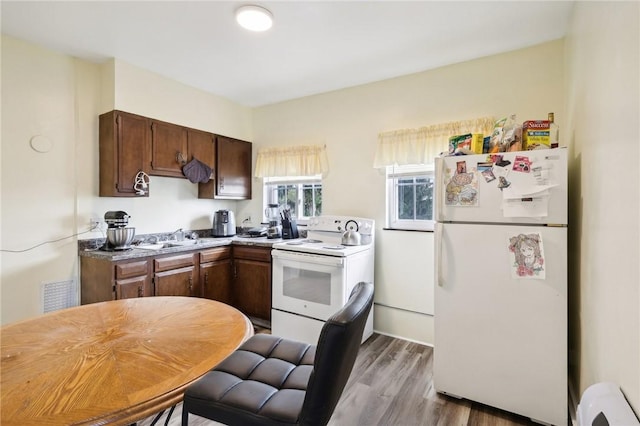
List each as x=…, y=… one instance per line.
x=197, y=171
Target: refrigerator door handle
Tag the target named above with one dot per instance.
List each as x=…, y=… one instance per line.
x=439, y=175
x=437, y=266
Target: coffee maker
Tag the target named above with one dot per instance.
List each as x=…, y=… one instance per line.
x=272, y=212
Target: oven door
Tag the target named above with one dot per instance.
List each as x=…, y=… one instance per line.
x=308, y=284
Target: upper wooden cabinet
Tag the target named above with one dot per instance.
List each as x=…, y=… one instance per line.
x=201, y=145
x=131, y=143
x=168, y=149
x=124, y=151
x=232, y=172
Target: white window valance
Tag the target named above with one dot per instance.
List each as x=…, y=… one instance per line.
x=423, y=145
x=305, y=160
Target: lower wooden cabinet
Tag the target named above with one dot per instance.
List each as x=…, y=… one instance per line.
x=216, y=274
x=252, y=281
x=102, y=280
x=134, y=287
x=175, y=275
x=236, y=275
x=133, y=279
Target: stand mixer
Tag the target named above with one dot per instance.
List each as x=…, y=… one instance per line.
x=119, y=236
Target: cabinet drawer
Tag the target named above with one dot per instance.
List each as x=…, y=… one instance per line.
x=133, y=287
x=215, y=254
x=262, y=254
x=131, y=269
x=173, y=262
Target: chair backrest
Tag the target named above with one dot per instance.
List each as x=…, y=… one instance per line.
x=336, y=354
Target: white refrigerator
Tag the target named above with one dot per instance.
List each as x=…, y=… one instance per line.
x=501, y=281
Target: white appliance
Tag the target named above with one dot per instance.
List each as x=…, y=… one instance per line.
x=313, y=277
x=604, y=404
x=501, y=281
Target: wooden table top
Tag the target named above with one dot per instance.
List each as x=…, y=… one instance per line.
x=113, y=362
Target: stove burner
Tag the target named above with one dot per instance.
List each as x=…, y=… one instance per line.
x=301, y=242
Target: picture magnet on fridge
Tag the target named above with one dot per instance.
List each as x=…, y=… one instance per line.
x=461, y=167
x=462, y=188
x=522, y=164
x=486, y=170
x=526, y=254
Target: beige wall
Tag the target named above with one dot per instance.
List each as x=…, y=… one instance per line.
x=38, y=188
x=527, y=82
x=46, y=196
x=603, y=97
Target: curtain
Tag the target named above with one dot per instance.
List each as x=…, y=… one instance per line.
x=306, y=160
x=421, y=146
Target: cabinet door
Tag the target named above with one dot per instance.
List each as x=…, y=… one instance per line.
x=252, y=288
x=233, y=172
x=201, y=145
x=176, y=282
x=216, y=281
x=168, y=149
x=124, y=147
x=134, y=287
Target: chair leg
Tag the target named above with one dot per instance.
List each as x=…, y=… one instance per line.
x=185, y=416
x=166, y=422
x=155, y=420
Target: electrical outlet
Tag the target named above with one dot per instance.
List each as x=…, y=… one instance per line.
x=94, y=223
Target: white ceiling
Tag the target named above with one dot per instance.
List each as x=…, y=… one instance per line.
x=313, y=47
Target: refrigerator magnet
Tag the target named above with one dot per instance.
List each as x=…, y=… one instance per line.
x=527, y=256
x=503, y=182
x=494, y=158
x=522, y=164
x=462, y=190
x=486, y=170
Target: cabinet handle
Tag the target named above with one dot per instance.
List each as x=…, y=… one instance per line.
x=221, y=180
x=140, y=293
x=191, y=286
x=206, y=279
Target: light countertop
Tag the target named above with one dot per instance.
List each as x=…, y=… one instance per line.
x=202, y=243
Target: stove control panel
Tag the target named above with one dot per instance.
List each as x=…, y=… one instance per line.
x=331, y=223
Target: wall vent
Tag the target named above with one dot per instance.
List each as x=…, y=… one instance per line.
x=58, y=295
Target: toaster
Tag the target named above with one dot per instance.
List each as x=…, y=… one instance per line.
x=224, y=224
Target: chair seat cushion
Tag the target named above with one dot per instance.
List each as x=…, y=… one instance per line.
x=263, y=381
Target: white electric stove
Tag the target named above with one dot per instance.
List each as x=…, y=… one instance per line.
x=313, y=276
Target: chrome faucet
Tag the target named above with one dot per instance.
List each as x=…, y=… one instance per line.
x=178, y=235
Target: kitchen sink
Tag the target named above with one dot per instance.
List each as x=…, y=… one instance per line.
x=157, y=246
x=184, y=243
x=181, y=243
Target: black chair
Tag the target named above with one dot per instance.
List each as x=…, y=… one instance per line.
x=273, y=381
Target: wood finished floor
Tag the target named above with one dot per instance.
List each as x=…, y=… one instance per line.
x=391, y=385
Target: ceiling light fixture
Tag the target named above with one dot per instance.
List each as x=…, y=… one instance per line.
x=254, y=18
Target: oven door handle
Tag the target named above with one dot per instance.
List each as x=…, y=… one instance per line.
x=317, y=259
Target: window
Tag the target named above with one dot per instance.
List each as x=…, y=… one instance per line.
x=302, y=195
x=410, y=197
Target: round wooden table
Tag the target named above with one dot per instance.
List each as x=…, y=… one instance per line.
x=113, y=362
